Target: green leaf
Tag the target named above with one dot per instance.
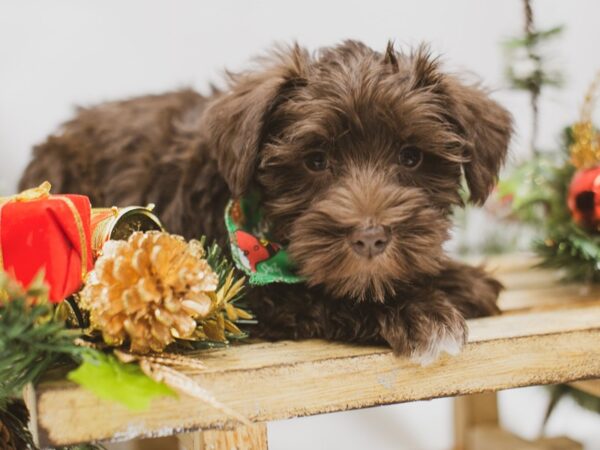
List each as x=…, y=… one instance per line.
x=111, y=379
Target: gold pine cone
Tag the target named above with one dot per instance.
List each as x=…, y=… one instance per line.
x=149, y=290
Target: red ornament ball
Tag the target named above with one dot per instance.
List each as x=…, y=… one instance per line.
x=584, y=197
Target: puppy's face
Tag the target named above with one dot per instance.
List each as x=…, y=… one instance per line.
x=359, y=158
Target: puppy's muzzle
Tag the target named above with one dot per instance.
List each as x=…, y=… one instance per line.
x=370, y=241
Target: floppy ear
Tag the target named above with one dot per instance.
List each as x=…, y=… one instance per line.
x=484, y=125
x=236, y=122
x=487, y=128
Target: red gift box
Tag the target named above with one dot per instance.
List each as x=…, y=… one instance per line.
x=46, y=232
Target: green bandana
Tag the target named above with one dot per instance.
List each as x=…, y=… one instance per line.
x=262, y=260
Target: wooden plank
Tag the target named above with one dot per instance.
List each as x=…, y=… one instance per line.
x=477, y=427
x=190, y=441
x=559, y=443
x=548, y=297
x=506, y=263
x=591, y=387
x=490, y=437
x=242, y=438
x=275, y=386
x=548, y=334
x=578, y=317
x=528, y=279
x=528, y=287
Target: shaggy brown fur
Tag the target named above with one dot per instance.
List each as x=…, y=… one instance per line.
x=359, y=157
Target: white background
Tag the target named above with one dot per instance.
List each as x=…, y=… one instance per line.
x=61, y=53
x=58, y=54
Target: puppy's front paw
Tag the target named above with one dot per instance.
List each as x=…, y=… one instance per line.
x=424, y=328
x=440, y=336
x=435, y=326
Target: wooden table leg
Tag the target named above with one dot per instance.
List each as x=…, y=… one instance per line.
x=253, y=437
x=476, y=427
x=471, y=411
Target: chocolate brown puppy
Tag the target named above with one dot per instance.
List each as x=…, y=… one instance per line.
x=358, y=156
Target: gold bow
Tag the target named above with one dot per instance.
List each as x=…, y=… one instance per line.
x=39, y=193
x=36, y=193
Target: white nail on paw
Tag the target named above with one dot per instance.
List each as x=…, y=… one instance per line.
x=443, y=341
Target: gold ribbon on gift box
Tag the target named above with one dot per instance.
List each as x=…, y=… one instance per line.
x=42, y=192
x=36, y=193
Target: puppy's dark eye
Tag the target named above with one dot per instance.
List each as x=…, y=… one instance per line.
x=410, y=157
x=316, y=161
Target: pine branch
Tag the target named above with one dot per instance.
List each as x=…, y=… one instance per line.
x=539, y=191
x=14, y=418
x=222, y=266
x=31, y=339
x=217, y=260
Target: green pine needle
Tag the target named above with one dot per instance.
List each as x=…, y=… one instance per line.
x=539, y=191
x=530, y=47
x=31, y=339
x=14, y=416
x=221, y=264
x=217, y=260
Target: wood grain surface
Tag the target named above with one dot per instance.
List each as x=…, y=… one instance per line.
x=548, y=333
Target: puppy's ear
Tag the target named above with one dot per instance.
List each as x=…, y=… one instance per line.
x=487, y=129
x=237, y=122
x=484, y=125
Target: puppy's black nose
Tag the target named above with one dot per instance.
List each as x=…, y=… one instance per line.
x=370, y=241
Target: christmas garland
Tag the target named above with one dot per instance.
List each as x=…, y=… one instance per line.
x=149, y=299
x=32, y=341
x=558, y=194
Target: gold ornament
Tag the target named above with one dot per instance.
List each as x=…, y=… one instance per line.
x=118, y=224
x=149, y=291
x=585, y=150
